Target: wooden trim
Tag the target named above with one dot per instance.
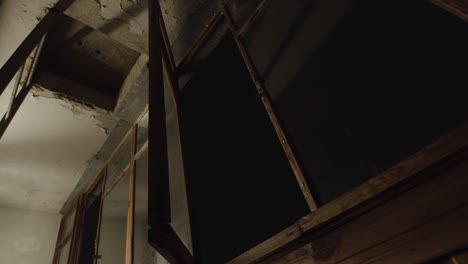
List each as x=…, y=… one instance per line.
x=167, y=243
x=17, y=101
x=61, y=236
x=141, y=150
x=95, y=181
x=262, y=92
x=434, y=153
x=131, y=201
x=59, y=248
x=175, y=92
x=77, y=230
x=64, y=241
x=258, y=10
x=11, y=67
x=200, y=40
x=172, y=78
x=390, y=227
x=72, y=207
x=158, y=179
x=98, y=227
x=116, y=181
x=15, y=90
x=8, y=117
x=456, y=7
x=167, y=43
x=141, y=115
x=117, y=148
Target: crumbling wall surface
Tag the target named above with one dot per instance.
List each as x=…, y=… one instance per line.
x=17, y=19
x=47, y=146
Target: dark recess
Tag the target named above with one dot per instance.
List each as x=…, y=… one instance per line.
x=388, y=81
x=243, y=190
x=89, y=232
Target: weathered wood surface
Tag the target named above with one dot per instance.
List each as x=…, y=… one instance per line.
x=419, y=225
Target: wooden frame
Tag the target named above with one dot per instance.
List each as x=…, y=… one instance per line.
x=33, y=43
x=16, y=100
x=263, y=94
x=412, y=166
x=162, y=237
x=401, y=172
x=101, y=178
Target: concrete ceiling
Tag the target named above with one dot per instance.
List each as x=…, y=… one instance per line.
x=51, y=141
x=47, y=146
x=85, y=64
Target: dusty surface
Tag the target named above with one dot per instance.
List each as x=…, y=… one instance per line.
x=47, y=146
x=45, y=150
x=104, y=119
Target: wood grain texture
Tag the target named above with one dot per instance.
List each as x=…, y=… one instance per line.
x=414, y=165
x=419, y=225
x=457, y=7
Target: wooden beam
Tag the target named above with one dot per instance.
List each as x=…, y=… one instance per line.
x=167, y=45
x=200, y=40
x=456, y=7
x=129, y=250
x=263, y=94
x=258, y=10
x=422, y=223
x=5, y=122
x=159, y=198
x=416, y=164
x=77, y=230
x=167, y=243
x=18, y=58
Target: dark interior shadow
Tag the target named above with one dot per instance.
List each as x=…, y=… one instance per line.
x=375, y=93
x=306, y=10
x=238, y=174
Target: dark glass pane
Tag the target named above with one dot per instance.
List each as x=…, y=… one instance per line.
x=243, y=190
x=361, y=85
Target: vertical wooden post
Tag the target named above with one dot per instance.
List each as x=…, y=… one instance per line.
x=158, y=168
x=131, y=198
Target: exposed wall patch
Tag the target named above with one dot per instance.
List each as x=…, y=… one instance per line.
x=104, y=119
x=27, y=244
x=126, y=11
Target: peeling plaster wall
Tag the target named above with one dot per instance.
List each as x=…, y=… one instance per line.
x=17, y=20
x=45, y=151
x=123, y=21
x=47, y=146
x=27, y=237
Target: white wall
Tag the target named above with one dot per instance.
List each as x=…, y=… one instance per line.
x=27, y=237
x=47, y=146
